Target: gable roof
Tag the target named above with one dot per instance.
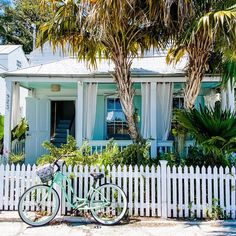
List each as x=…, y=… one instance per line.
x=2, y=69
x=6, y=49
x=72, y=68
x=46, y=55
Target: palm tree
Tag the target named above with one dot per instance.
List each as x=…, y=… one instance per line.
x=211, y=28
x=213, y=129
x=111, y=29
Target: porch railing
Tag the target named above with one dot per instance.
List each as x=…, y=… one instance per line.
x=100, y=145
x=168, y=146
x=18, y=147
x=162, y=146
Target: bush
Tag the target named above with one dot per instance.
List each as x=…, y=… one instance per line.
x=134, y=154
x=81, y=156
x=18, y=132
x=213, y=129
x=16, y=158
x=197, y=157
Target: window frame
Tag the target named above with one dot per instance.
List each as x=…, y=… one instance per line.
x=179, y=97
x=105, y=117
x=18, y=64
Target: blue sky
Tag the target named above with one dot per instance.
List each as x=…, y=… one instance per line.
x=3, y=2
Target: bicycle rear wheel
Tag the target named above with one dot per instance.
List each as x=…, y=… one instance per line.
x=38, y=205
x=108, y=204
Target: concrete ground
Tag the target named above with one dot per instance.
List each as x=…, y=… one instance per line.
x=136, y=227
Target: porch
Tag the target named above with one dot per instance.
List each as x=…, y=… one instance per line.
x=98, y=114
x=106, y=124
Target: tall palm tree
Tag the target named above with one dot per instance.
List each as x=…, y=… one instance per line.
x=212, y=27
x=112, y=29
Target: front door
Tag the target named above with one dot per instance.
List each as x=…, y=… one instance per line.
x=62, y=121
x=38, y=117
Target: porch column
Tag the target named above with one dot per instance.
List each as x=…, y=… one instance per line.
x=7, y=120
x=79, y=114
x=153, y=119
x=223, y=99
x=230, y=93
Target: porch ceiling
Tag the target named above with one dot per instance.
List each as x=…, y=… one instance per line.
x=44, y=85
x=73, y=85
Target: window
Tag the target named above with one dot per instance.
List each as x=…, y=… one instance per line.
x=18, y=64
x=178, y=103
x=116, y=124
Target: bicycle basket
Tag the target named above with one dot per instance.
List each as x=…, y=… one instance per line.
x=45, y=173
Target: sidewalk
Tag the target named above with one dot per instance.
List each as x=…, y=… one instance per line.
x=12, y=216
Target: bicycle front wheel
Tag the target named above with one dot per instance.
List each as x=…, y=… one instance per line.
x=38, y=205
x=108, y=204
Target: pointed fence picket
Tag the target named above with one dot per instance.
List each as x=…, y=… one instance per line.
x=162, y=190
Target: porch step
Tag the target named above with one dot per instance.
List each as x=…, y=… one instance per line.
x=65, y=121
x=60, y=135
x=58, y=140
x=57, y=144
x=59, y=130
x=63, y=126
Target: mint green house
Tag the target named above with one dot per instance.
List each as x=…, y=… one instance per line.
x=66, y=97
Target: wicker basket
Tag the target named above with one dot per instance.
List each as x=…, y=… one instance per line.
x=45, y=173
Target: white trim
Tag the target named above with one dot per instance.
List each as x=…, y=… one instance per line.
x=231, y=99
x=153, y=119
x=223, y=99
x=62, y=98
x=7, y=120
x=79, y=114
x=69, y=79
x=105, y=142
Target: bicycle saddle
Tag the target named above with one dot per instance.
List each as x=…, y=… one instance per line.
x=97, y=175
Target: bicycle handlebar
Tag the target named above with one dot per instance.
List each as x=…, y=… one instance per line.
x=65, y=155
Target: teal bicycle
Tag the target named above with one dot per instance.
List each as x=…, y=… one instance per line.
x=40, y=204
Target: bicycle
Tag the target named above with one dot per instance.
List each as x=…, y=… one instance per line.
x=40, y=204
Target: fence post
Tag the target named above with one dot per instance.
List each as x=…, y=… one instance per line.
x=163, y=189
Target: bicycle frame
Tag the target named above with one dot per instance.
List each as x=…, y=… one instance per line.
x=81, y=203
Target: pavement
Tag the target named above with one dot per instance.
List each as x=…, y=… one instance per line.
x=11, y=225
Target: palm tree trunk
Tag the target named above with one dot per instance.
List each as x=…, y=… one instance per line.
x=199, y=53
x=126, y=93
x=193, y=85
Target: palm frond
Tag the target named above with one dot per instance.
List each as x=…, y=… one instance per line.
x=212, y=128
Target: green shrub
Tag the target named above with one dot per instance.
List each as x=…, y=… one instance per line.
x=18, y=132
x=110, y=156
x=134, y=154
x=80, y=155
x=197, y=157
x=16, y=158
x=213, y=129
x=172, y=158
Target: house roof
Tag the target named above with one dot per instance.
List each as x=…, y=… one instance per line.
x=6, y=49
x=2, y=69
x=72, y=68
x=46, y=54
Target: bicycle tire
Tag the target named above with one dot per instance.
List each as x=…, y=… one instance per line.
x=105, y=213
x=30, y=205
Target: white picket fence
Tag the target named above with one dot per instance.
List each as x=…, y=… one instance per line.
x=162, y=191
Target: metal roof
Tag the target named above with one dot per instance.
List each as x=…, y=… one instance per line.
x=6, y=49
x=71, y=66
x=2, y=69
